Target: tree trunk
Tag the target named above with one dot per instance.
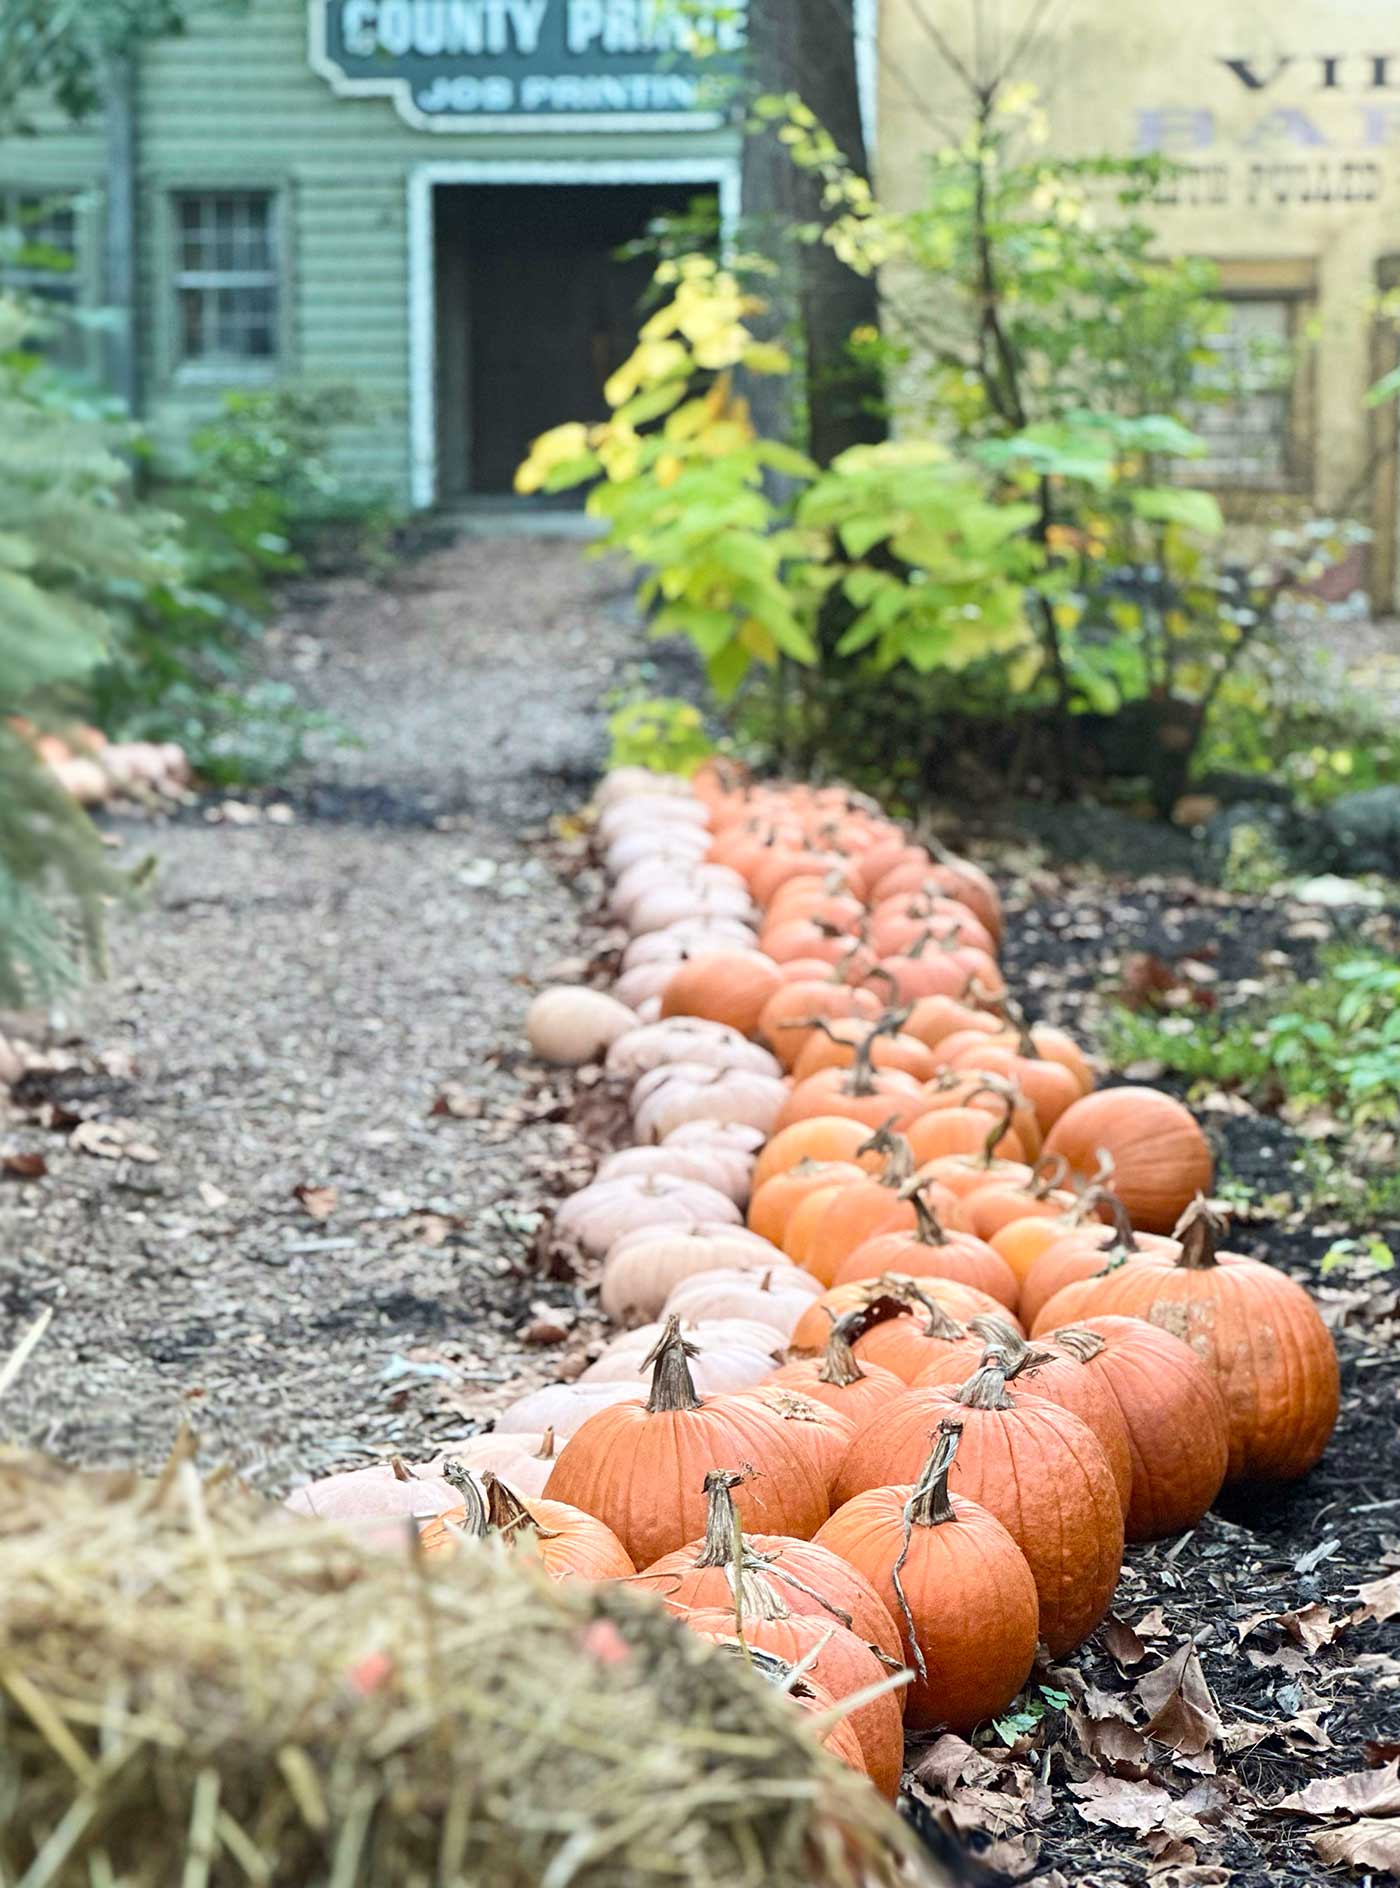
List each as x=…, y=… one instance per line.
x=840, y=401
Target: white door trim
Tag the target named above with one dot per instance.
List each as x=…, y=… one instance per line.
x=723, y=172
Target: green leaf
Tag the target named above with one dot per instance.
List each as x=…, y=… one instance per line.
x=786, y=459
x=727, y=669
x=1386, y=388
x=1169, y=504
x=860, y=535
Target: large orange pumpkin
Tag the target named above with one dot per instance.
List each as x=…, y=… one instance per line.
x=1165, y=1394
x=955, y=1582
x=772, y=1205
x=724, y=987
x=1038, y=1468
x=1083, y=1251
x=813, y=1580
x=640, y=1467
x=815, y=1427
x=786, y=1023
x=823, y=1138
x=1059, y=1374
x=931, y=1296
x=1257, y=1330
x=1161, y=1159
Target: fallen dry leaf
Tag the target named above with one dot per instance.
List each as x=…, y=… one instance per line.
x=317, y=1202
x=1181, y=1711
x=1123, y=1645
x=112, y=1140
x=23, y=1166
x=1358, y=1793
x=1369, y=1843
x=1380, y=1599
x=1380, y=1751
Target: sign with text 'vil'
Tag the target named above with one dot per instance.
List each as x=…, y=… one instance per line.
x=492, y=65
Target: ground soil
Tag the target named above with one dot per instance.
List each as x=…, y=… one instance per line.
x=318, y=969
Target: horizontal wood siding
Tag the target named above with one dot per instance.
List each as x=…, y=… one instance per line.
x=233, y=103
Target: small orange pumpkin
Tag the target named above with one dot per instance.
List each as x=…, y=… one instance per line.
x=931, y=1252
x=571, y=1545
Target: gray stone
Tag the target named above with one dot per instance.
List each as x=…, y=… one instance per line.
x=1363, y=831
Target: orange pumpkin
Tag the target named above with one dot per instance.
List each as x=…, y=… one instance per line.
x=820, y=1138
x=955, y=1582
x=724, y=987
x=834, y=1046
x=875, y=1097
x=787, y=1021
x=918, y=1298
x=813, y=1580
x=640, y=1466
x=1161, y=1159
x=1084, y=1251
x=1256, y=1329
x=570, y=1544
x=772, y=1204
x=1047, y=1369
x=838, y=1378
x=931, y=1252
x=1038, y=1468
x=1002, y=1202
x=814, y=1427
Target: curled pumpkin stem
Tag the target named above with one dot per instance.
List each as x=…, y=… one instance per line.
x=1080, y=1343
x=899, y=1155
x=1005, y=1343
x=1123, y=1245
x=986, y=1387
x=507, y=1515
x=892, y=1295
x=928, y=1506
x=839, y=1364
x=474, y=1520
x=1049, y=1172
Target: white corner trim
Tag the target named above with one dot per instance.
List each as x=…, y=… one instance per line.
x=423, y=179
x=867, y=23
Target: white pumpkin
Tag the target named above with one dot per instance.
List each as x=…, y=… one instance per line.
x=650, y=812
x=668, y=1097
x=642, y=1270
x=647, y=876
x=776, y=1298
x=732, y=1354
x=562, y=1407
x=386, y=1491
x=627, y=783
x=523, y=1461
x=570, y=1025
x=687, y=1039
x=655, y=909
x=688, y=937
x=686, y=844
x=723, y=1173
x=598, y=1215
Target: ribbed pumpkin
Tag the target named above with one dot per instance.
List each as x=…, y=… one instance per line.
x=774, y=1203
x=570, y=1544
x=812, y=1579
x=921, y=1332
x=838, y=1663
x=1256, y=1329
x=834, y=1046
x=830, y=1224
x=931, y=1252
x=640, y=1466
x=838, y=1378
x=955, y=1582
x=820, y=1432
x=1039, y=1469
x=1000, y=1202
x=1044, y=1368
x=929, y=1294
x=861, y=1092
x=1084, y=1251
x=1177, y=1424
x=1048, y=1086
x=1161, y=1159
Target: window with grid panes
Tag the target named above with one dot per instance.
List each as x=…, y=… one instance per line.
x=39, y=258
x=226, y=278
x=1248, y=424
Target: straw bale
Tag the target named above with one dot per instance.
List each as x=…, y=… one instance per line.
x=199, y=1692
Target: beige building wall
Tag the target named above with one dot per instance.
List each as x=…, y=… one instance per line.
x=1286, y=117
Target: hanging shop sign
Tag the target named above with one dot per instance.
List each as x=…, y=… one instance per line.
x=521, y=65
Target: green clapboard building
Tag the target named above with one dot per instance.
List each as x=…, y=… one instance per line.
x=421, y=199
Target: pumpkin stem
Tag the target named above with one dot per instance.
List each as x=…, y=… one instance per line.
x=1080, y=1343
x=1007, y=1344
x=721, y=1517
x=1200, y=1232
x=1123, y=1245
x=402, y=1473
x=1049, y=1172
x=887, y=977
x=931, y=1505
x=986, y=1387
x=474, y=1521
x=899, y=1155
x=892, y=1295
x=506, y=1513
x=545, y=1452
x=839, y=1364
x=1008, y=1007
x=672, y=1386
x=928, y=1228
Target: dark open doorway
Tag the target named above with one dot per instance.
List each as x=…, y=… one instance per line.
x=534, y=311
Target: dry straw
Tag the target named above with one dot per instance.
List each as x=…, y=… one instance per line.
x=197, y=1692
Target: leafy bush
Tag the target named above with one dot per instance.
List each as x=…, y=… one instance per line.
x=1332, y=1043
x=71, y=540
x=659, y=732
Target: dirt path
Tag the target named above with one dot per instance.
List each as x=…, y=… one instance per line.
x=295, y=997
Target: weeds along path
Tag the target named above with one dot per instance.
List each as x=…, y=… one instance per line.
x=283, y=1014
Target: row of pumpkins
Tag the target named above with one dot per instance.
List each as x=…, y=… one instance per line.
x=918, y=1325
x=94, y=770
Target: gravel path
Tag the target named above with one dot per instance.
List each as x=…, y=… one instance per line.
x=284, y=1013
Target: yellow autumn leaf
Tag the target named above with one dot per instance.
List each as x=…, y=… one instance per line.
x=551, y=450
